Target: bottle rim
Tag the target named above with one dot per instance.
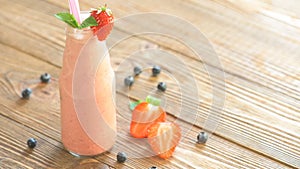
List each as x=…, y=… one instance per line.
x=88, y=30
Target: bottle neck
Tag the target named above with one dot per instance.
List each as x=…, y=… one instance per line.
x=85, y=44
x=79, y=34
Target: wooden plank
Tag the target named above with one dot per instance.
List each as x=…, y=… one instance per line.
x=36, y=24
x=236, y=88
x=249, y=108
x=231, y=29
x=224, y=33
x=51, y=115
x=229, y=62
x=48, y=154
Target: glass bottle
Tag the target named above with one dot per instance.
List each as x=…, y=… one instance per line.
x=87, y=92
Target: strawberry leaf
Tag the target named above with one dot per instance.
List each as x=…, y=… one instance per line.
x=90, y=21
x=132, y=105
x=68, y=18
x=152, y=100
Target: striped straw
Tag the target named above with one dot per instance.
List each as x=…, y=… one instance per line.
x=74, y=9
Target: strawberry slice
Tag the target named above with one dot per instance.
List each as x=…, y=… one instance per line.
x=105, y=20
x=163, y=138
x=143, y=116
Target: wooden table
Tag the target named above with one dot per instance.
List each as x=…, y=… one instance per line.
x=257, y=43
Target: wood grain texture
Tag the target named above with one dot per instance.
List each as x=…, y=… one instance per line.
x=260, y=57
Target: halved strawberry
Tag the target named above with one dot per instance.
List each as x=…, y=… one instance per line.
x=143, y=116
x=163, y=138
x=105, y=20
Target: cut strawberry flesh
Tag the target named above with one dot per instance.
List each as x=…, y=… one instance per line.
x=143, y=116
x=146, y=113
x=163, y=138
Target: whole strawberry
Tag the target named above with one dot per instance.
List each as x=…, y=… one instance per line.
x=105, y=20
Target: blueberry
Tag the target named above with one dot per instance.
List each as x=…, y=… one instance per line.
x=162, y=86
x=153, y=167
x=121, y=157
x=31, y=142
x=137, y=70
x=45, y=78
x=156, y=70
x=129, y=81
x=26, y=93
x=202, y=137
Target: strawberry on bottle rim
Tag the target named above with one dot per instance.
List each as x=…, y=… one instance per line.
x=105, y=20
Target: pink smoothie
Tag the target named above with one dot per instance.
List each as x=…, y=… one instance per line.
x=88, y=115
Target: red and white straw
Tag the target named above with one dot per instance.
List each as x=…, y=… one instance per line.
x=75, y=10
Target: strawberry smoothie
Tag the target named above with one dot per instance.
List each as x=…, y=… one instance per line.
x=87, y=91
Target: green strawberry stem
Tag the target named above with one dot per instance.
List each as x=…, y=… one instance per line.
x=152, y=100
x=132, y=105
x=149, y=99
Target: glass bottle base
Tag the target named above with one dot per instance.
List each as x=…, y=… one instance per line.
x=83, y=156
